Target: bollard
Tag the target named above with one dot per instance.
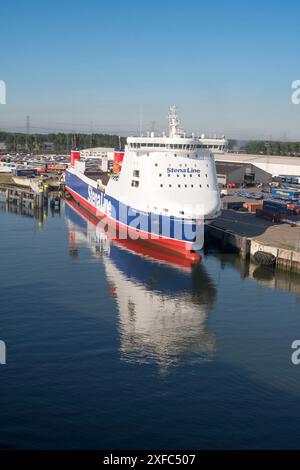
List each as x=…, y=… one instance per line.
x=46, y=194
x=40, y=198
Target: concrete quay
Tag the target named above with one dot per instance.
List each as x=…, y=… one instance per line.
x=247, y=234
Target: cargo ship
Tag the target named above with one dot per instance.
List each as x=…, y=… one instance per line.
x=163, y=188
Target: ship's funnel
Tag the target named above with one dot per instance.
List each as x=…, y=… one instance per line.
x=75, y=156
x=119, y=155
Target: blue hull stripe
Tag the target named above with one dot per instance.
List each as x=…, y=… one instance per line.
x=156, y=224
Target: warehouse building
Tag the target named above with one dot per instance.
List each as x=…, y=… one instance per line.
x=241, y=173
x=276, y=165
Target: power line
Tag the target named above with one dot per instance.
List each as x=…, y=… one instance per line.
x=27, y=130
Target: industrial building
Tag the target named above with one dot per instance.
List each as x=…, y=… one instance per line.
x=274, y=165
x=241, y=173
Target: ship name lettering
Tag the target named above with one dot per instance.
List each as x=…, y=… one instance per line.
x=99, y=201
x=183, y=170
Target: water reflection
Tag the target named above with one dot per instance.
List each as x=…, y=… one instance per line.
x=265, y=276
x=39, y=214
x=163, y=303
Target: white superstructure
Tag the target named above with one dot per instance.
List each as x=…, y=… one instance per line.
x=168, y=175
x=217, y=145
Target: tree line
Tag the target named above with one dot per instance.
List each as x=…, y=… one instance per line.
x=63, y=142
x=58, y=143
x=257, y=147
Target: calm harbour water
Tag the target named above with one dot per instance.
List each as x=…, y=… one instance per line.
x=108, y=349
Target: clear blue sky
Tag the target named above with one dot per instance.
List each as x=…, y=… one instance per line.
x=100, y=65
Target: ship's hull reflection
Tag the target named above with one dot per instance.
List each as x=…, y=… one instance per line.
x=163, y=301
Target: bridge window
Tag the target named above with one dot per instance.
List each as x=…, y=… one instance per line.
x=135, y=184
x=136, y=173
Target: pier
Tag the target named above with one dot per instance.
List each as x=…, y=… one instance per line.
x=248, y=235
x=34, y=198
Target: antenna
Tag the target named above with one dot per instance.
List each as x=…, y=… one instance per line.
x=175, y=129
x=141, y=121
x=91, y=135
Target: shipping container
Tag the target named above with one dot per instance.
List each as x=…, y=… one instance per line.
x=290, y=179
x=274, y=206
x=285, y=193
x=30, y=173
x=252, y=206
